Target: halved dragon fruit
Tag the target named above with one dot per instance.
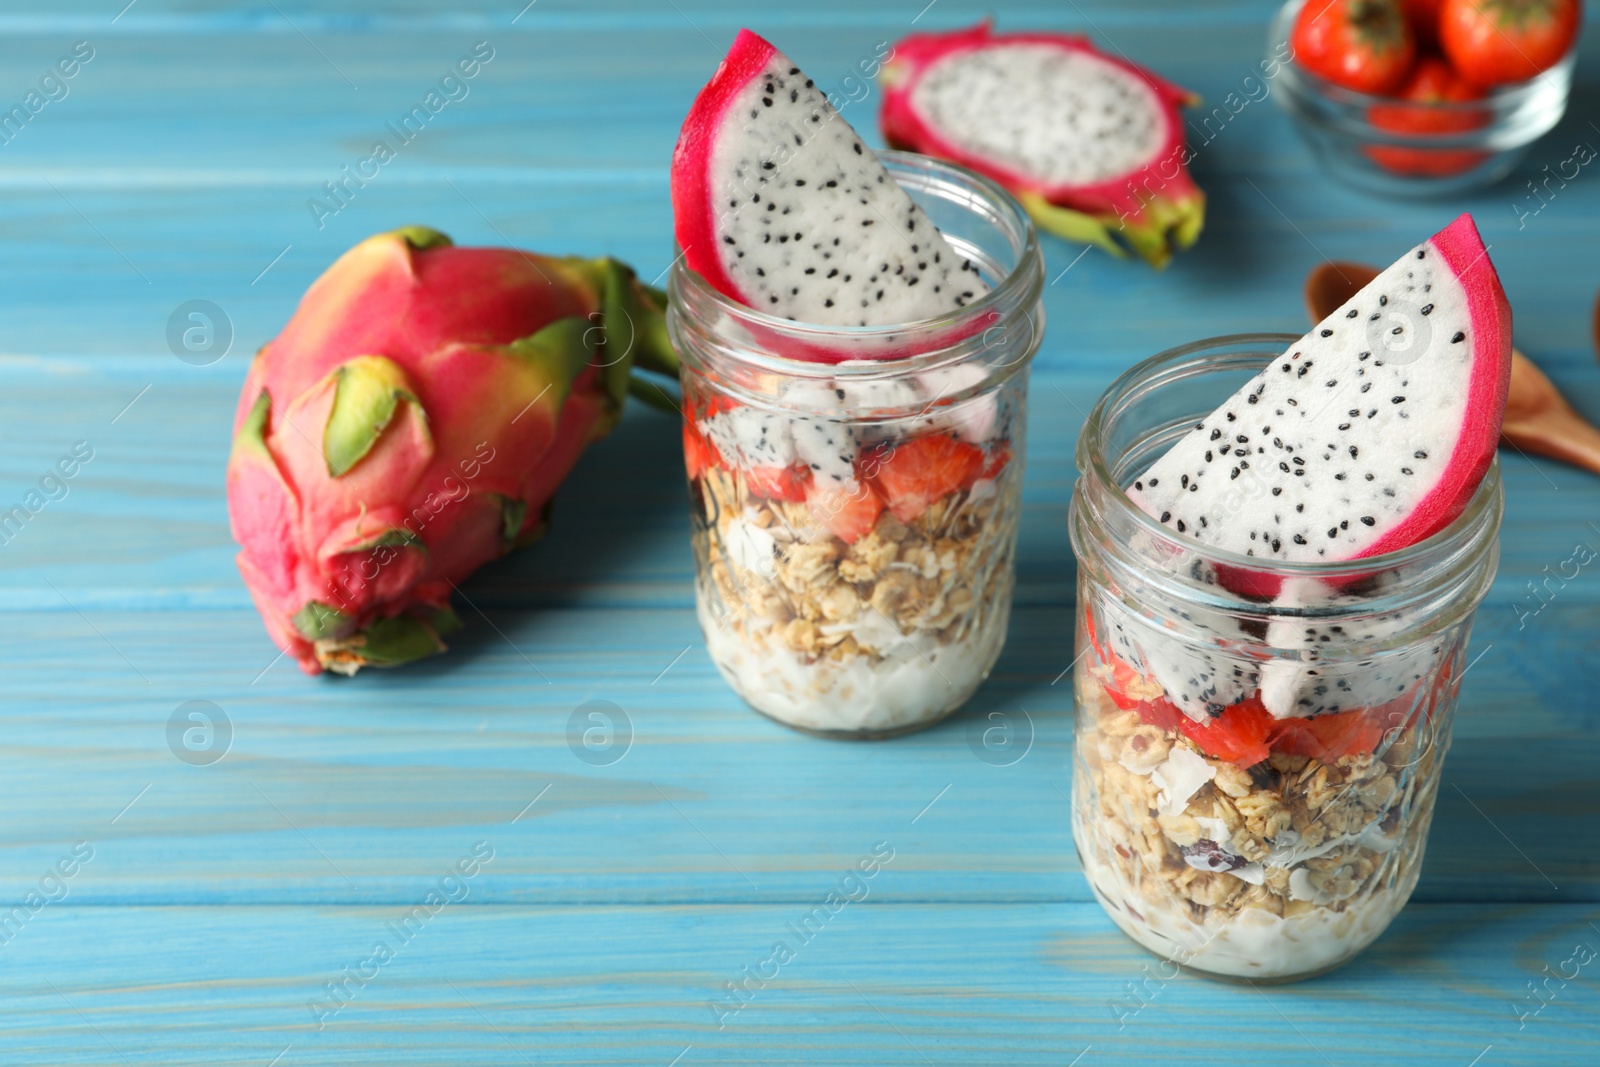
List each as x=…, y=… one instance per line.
x=1091, y=144
x=778, y=204
x=1371, y=433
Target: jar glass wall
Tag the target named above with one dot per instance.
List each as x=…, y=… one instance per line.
x=854, y=491
x=1254, y=778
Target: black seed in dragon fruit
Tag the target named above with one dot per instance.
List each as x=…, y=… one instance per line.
x=861, y=398
x=778, y=204
x=828, y=448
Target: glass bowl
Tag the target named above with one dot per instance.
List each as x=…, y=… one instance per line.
x=1353, y=138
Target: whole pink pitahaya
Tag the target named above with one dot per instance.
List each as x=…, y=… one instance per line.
x=1091, y=144
x=411, y=422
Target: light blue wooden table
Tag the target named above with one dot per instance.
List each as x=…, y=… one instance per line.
x=227, y=913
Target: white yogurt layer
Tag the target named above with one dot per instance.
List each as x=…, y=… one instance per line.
x=1252, y=943
x=917, y=681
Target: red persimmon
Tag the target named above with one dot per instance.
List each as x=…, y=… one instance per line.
x=1433, y=83
x=1365, y=45
x=1499, y=42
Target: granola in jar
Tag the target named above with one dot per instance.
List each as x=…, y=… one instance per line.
x=868, y=597
x=1244, y=845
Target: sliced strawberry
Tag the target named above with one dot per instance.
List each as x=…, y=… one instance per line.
x=847, y=511
x=1117, y=679
x=1401, y=713
x=1347, y=733
x=912, y=475
x=1160, y=712
x=1238, y=735
x=1089, y=632
x=779, y=483
x=1329, y=737
x=699, y=454
x=1296, y=738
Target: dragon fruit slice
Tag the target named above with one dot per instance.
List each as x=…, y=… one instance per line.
x=411, y=423
x=1325, y=679
x=779, y=205
x=757, y=438
x=1371, y=433
x=971, y=418
x=1092, y=145
x=1199, y=680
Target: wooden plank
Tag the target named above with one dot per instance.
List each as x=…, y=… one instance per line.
x=880, y=983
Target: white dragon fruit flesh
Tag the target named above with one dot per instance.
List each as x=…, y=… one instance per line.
x=1209, y=660
x=971, y=419
x=778, y=204
x=829, y=447
x=758, y=438
x=1200, y=680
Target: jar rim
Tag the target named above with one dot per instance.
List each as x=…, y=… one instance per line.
x=1477, y=524
x=969, y=331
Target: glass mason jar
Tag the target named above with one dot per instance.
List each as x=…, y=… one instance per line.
x=854, y=491
x=1254, y=777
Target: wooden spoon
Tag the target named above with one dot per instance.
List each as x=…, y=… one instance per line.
x=1538, y=417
